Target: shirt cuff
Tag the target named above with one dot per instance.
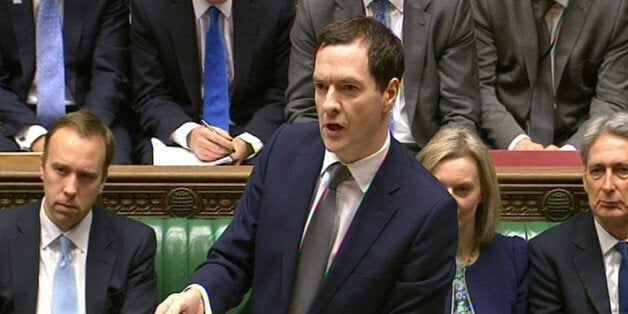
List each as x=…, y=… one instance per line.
x=28, y=135
x=255, y=142
x=517, y=140
x=568, y=147
x=204, y=296
x=180, y=135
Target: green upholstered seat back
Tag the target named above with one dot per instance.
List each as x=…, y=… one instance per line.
x=182, y=245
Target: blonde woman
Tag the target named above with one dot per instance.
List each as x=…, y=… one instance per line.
x=492, y=269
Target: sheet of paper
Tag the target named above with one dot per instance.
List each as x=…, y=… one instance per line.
x=164, y=155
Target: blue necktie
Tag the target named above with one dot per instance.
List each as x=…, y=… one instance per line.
x=50, y=64
x=216, y=100
x=622, y=247
x=380, y=11
x=64, y=298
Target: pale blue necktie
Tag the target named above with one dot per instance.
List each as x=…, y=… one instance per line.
x=622, y=248
x=50, y=64
x=64, y=298
x=216, y=100
x=380, y=11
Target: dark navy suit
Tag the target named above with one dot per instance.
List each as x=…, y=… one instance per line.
x=398, y=254
x=120, y=274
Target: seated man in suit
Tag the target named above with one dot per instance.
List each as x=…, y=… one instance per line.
x=66, y=253
x=440, y=82
x=386, y=245
x=547, y=67
x=576, y=265
x=60, y=56
x=231, y=76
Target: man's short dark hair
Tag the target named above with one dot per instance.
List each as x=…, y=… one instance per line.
x=87, y=124
x=385, y=53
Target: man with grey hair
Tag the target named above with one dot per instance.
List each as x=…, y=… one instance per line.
x=581, y=266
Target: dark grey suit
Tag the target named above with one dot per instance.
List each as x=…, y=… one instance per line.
x=591, y=67
x=568, y=270
x=441, y=68
x=120, y=272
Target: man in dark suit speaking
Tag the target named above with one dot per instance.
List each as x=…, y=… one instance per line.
x=66, y=253
x=337, y=217
x=578, y=266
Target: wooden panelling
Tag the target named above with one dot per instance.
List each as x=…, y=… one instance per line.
x=529, y=193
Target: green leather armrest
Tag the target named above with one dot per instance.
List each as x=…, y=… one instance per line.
x=524, y=229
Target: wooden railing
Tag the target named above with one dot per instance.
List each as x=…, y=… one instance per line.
x=528, y=192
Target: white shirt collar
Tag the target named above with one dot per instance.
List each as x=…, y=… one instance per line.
x=607, y=241
x=363, y=171
x=398, y=4
x=79, y=235
x=201, y=6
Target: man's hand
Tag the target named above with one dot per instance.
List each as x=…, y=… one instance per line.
x=242, y=150
x=209, y=144
x=528, y=144
x=38, y=144
x=186, y=302
x=552, y=147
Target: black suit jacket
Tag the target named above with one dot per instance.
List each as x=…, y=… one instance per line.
x=398, y=255
x=120, y=274
x=568, y=270
x=166, y=64
x=95, y=38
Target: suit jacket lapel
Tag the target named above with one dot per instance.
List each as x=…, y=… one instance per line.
x=529, y=38
x=74, y=12
x=575, y=16
x=183, y=35
x=415, y=32
x=590, y=265
x=305, y=171
x=25, y=260
x=24, y=30
x=374, y=213
x=100, y=263
x=246, y=17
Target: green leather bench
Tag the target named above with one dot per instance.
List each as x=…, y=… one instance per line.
x=182, y=245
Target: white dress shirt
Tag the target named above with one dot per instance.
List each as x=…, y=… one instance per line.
x=612, y=261
x=50, y=253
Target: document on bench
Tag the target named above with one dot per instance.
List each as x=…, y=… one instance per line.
x=164, y=155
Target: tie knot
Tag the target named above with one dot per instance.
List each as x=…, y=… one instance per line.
x=66, y=244
x=214, y=12
x=380, y=11
x=337, y=173
x=622, y=248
